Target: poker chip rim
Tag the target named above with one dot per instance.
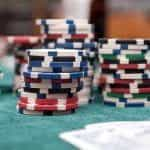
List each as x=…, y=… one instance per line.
x=47, y=107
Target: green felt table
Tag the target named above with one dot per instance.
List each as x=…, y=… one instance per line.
x=23, y=132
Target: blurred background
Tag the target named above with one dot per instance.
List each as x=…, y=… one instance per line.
x=113, y=18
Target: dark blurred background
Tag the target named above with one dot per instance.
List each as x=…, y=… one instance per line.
x=112, y=18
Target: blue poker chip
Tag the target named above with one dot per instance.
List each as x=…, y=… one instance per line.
x=58, y=64
x=57, y=69
x=45, y=75
x=70, y=45
x=114, y=104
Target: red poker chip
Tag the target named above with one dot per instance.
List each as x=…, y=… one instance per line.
x=23, y=39
x=103, y=80
x=124, y=66
x=73, y=36
x=129, y=91
x=37, y=80
x=72, y=100
x=37, y=107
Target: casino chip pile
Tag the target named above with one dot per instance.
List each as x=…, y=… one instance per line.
x=125, y=72
x=52, y=80
x=71, y=34
x=20, y=44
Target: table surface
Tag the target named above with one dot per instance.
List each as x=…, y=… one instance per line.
x=23, y=132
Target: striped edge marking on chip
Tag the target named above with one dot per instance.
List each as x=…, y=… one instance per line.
x=63, y=40
x=115, y=102
x=23, y=39
x=68, y=36
x=70, y=45
x=110, y=79
x=127, y=90
x=138, y=41
x=43, y=113
x=58, y=69
x=125, y=66
x=59, y=81
x=123, y=71
x=123, y=61
x=56, y=52
x=59, y=21
x=44, y=75
x=129, y=76
x=135, y=96
x=124, y=46
x=45, y=96
x=72, y=100
x=126, y=100
x=68, y=27
x=121, y=51
x=130, y=85
x=58, y=107
x=58, y=64
x=57, y=59
x=52, y=86
x=53, y=91
x=127, y=56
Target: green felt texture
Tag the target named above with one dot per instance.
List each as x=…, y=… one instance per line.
x=24, y=132
x=42, y=132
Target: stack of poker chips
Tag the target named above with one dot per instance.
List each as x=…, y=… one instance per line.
x=125, y=72
x=52, y=80
x=20, y=44
x=71, y=34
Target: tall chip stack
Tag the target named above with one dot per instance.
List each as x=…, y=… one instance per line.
x=59, y=70
x=125, y=72
x=71, y=34
x=20, y=44
x=52, y=80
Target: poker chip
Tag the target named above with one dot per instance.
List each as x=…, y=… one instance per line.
x=124, y=46
x=43, y=113
x=122, y=51
x=124, y=61
x=52, y=86
x=127, y=90
x=58, y=107
x=56, y=52
x=125, y=66
x=21, y=43
x=125, y=41
x=57, y=58
x=46, y=75
x=124, y=75
x=37, y=95
x=133, y=95
x=60, y=69
x=68, y=36
x=58, y=21
x=71, y=45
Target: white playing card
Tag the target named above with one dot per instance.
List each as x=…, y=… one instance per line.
x=111, y=136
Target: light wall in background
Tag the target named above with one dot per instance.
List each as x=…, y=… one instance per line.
x=76, y=8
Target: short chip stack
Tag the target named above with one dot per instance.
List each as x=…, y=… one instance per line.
x=125, y=72
x=71, y=34
x=20, y=44
x=52, y=80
